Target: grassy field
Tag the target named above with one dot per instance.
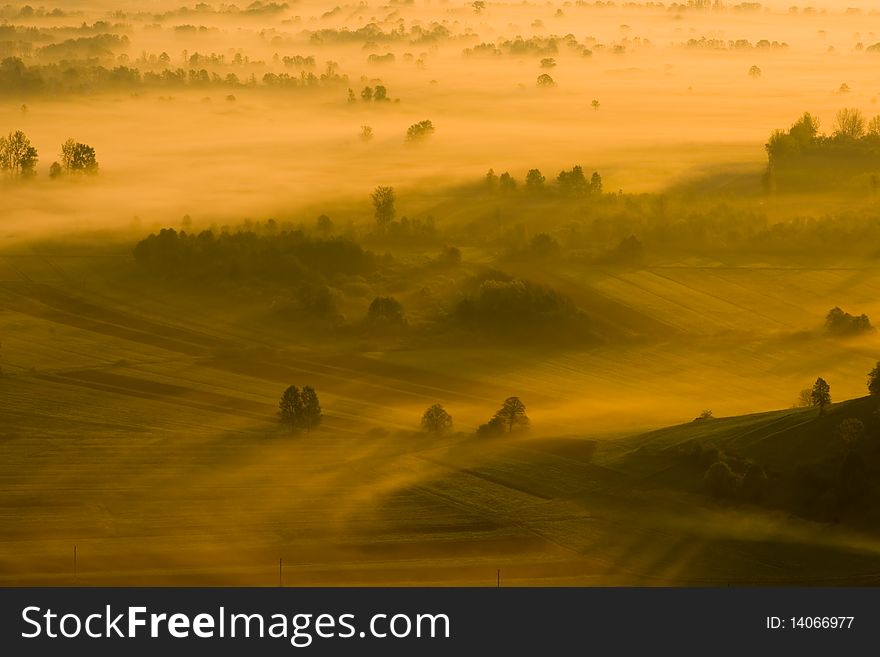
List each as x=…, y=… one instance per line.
x=144, y=434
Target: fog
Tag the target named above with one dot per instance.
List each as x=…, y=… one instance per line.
x=666, y=110
x=223, y=226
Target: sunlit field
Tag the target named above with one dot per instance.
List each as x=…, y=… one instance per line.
x=638, y=280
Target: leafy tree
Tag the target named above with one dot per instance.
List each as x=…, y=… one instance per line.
x=534, y=180
x=436, y=420
x=595, y=105
x=821, y=394
x=290, y=408
x=545, y=80
x=18, y=157
x=805, y=398
x=419, y=131
x=874, y=127
x=367, y=94
x=351, y=97
x=380, y=93
x=805, y=130
x=491, y=179
x=478, y=5
x=310, y=414
x=838, y=322
x=366, y=133
x=512, y=414
x=383, y=204
x=849, y=124
x=385, y=310
x=572, y=182
x=595, y=183
x=754, y=72
x=874, y=380
x=506, y=182
x=55, y=170
x=78, y=158
x=300, y=409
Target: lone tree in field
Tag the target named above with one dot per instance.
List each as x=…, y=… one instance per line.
x=300, y=409
x=874, y=380
x=436, y=420
x=383, y=205
x=821, y=394
x=78, y=158
x=18, y=157
x=512, y=414
x=419, y=131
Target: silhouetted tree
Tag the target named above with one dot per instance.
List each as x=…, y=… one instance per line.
x=311, y=409
x=78, y=158
x=380, y=93
x=805, y=398
x=512, y=414
x=300, y=409
x=506, y=182
x=491, y=179
x=367, y=94
x=55, y=170
x=419, y=131
x=874, y=380
x=838, y=322
x=595, y=183
x=436, y=420
x=545, y=80
x=385, y=310
x=572, y=182
x=290, y=408
x=534, y=180
x=821, y=394
x=383, y=203
x=18, y=157
x=849, y=124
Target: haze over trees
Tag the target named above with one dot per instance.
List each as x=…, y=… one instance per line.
x=436, y=420
x=383, y=206
x=18, y=157
x=77, y=157
x=300, y=409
